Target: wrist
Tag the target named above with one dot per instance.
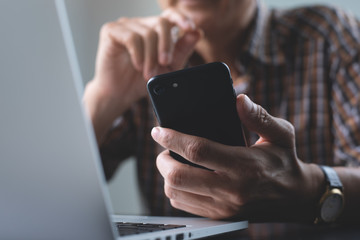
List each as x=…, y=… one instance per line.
x=331, y=203
x=325, y=194
x=313, y=188
x=299, y=204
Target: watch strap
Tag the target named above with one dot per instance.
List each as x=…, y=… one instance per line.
x=331, y=177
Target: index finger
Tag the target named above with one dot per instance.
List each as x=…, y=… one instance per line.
x=184, y=177
x=197, y=150
x=181, y=20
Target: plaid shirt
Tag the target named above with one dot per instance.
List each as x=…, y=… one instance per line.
x=301, y=65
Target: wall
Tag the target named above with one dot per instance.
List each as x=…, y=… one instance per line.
x=86, y=18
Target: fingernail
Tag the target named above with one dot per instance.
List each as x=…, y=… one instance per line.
x=155, y=132
x=175, y=33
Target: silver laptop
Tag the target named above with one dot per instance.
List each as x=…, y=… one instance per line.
x=51, y=180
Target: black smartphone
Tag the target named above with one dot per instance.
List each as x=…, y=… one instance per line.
x=199, y=101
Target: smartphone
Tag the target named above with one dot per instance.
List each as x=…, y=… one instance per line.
x=199, y=101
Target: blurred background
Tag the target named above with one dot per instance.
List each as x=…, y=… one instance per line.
x=86, y=18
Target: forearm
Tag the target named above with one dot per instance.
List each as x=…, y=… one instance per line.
x=303, y=205
x=350, y=178
x=101, y=110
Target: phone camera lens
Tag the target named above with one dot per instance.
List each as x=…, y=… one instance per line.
x=159, y=89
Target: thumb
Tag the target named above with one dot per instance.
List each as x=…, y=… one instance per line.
x=269, y=128
x=185, y=47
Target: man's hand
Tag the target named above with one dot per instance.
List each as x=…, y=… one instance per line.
x=264, y=182
x=132, y=50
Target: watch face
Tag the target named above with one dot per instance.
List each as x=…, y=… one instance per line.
x=331, y=207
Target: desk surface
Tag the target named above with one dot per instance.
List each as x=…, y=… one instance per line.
x=277, y=231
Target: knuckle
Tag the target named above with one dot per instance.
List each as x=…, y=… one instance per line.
x=263, y=115
x=158, y=161
x=175, y=178
x=287, y=129
x=196, y=150
x=132, y=38
x=290, y=131
x=163, y=22
x=169, y=192
x=106, y=28
x=175, y=204
x=150, y=33
x=162, y=26
x=290, y=127
x=123, y=20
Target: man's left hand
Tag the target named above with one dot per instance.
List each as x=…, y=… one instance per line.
x=263, y=182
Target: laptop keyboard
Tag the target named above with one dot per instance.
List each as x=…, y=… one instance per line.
x=129, y=228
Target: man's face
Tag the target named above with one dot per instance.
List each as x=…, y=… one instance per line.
x=209, y=14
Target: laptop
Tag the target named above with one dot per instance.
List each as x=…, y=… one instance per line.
x=51, y=180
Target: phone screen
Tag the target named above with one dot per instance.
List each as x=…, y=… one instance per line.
x=199, y=101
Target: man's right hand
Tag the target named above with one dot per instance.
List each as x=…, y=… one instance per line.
x=132, y=50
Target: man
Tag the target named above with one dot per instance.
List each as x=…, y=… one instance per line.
x=300, y=65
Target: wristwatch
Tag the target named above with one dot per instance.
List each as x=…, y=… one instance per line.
x=332, y=202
